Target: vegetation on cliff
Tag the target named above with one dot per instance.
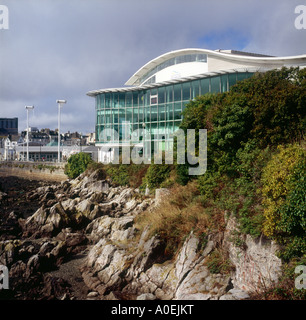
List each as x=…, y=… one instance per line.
x=255, y=167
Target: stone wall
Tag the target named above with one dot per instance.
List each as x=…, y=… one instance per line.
x=34, y=171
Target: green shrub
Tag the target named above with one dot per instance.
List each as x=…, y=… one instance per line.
x=77, y=164
x=118, y=174
x=218, y=262
x=284, y=193
x=155, y=175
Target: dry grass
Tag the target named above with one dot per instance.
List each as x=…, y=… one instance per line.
x=179, y=214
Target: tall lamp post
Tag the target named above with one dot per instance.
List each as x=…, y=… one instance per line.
x=60, y=104
x=28, y=108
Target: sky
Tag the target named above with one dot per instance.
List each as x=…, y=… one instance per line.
x=61, y=49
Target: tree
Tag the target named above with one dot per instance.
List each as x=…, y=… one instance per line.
x=77, y=164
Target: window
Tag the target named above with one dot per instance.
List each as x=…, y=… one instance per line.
x=215, y=84
x=186, y=91
x=169, y=93
x=205, y=86
x=135, y=115
x=177, y=92
x=107, y=100
x=224, y=83
x=241, y=76
x=177, y=111
x=195, y=89
x=121, y=100
x=128, y=99
x=161, y=95
x=232, y=79
x=161, y=113
x=153, y=99
x=129, y=112
x=153, y=113
x=170, y=112
x=135, y=99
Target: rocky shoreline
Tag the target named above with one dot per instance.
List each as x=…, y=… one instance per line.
x=77, y=240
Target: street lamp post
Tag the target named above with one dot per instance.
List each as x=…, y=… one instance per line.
x=60, y=104
x=28, y=108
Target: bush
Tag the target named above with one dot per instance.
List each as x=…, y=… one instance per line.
x=118, y=174
x=77, y=164
x=284, y=192
x=155, y=175
x=126, y=175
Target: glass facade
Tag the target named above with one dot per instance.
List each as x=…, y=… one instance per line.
x=157, y=109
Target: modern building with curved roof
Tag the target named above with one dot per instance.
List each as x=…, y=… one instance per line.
x=149, y=107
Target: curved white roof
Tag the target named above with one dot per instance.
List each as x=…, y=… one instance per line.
x=93, y=93
x=221, y=59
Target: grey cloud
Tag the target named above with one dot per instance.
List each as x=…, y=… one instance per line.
x=63, y=48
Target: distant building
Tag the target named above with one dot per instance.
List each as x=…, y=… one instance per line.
x=90, y=138
x=74, y=139
x=8, y=126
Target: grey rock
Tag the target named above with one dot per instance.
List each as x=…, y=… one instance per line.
x=146, y=296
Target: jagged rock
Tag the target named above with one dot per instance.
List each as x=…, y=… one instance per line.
x=71, y=239
x=256, y=263
x=108, y=262
x=146, y=296
x=85, y=207
x=32, y=265
x=235, y=294
x=92, y=294
x=69, y=204
x=120, y=265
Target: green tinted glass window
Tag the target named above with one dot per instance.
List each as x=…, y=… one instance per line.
x=107, y=100
x=135, y=99
x=215, y=84
x=169, y=93
x=177, y=92
x=195, y=89
x=177, y=110
x=128, y=99
x=205, y=86
x=241, y=76
x=129, y=115
x=161, y=95
x=153, y=113
x=161, y=113
x=224, y=83
x=232, y=79
x=186, y=91
x=135, y=115
x=169, y=111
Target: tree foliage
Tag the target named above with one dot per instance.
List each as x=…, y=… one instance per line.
x=284, y=197
x=254, y=154
x=77, y=164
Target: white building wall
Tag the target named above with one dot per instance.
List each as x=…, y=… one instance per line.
x=219, y=63
x=181, y=70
